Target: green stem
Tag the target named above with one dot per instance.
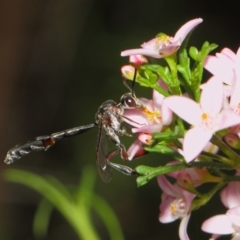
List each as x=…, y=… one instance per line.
x=206, y=197
x=207, y=156
x=227, y=150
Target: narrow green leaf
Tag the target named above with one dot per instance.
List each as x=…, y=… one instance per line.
x=147, y=173
x=160, y=148
x=42, y=219
x=80, y=220
x=109, y=218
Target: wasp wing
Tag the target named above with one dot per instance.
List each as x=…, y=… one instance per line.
x=102, y=151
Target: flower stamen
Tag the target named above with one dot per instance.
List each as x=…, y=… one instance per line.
x=178, y=207
x=152, y=115
x=207, y=121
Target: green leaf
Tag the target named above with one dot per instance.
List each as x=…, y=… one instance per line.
x=54, y=193
x=143, y=82
x=166, y=136
x=153, y=78
x=160, y=148
x=109, y=218
x=193, y=52
x=42, y=219
x=147, y=173
x=162, y=72
x=151, y=67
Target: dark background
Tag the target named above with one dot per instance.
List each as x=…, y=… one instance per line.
x=59, y=60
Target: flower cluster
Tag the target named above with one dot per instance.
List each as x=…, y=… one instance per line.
x=228, y=223
x=190, y=118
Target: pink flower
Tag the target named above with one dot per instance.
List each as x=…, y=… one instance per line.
x=150, y=119
x=207, y=117
x=192, y=177
x=136, y=149
x=128, y=72
x=228, y=223
x=222, y=224
x=163, y=46
x=235, y=95
x=225, y=66
x=222, y=65
x=230, y=195
x=137, y=60
x=175, y=204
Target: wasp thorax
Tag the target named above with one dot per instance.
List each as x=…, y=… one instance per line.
x=128, y=101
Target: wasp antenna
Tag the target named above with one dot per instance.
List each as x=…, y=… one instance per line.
x=126, y=85
x=131, y=89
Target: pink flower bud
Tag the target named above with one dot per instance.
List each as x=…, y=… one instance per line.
x=185, y=181
x=145, y=138
x=128, y=72
x=137, y=60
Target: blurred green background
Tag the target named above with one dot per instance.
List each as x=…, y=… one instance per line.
x=59, y=60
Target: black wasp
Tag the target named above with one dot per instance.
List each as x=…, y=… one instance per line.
x=108, y=119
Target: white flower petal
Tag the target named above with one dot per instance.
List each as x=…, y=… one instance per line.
x=185, y=108
x=148, y=128
x=134, y=149
x=166, y=215
x=210, y=103
x=219, y=224
x=229, y=53
x=135, y=118
x=167, y=115
x=186, y=28
x=157, y=100
x=167, y=187
x=183, y=228
x=212, y=65
x=150, y=44
x=234, y=215
x=230, y=195
x=226, y=119
x=194, y=142
x=146, y=52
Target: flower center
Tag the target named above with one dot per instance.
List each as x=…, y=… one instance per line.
x=178, y=207
x=153, y=116
x=207, y=121
x=163, y=41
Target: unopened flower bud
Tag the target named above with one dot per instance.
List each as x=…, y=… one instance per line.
x=128, y=72
x=137, y=60
x=232, y=140
x=185, y=182
x=145, y=138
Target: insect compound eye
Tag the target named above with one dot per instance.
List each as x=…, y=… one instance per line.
x=128, y=101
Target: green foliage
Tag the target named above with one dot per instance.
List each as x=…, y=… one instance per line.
x=147, y=173
x=75, y=205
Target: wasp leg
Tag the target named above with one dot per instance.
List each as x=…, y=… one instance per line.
x=122, y=168
x=123, y=131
